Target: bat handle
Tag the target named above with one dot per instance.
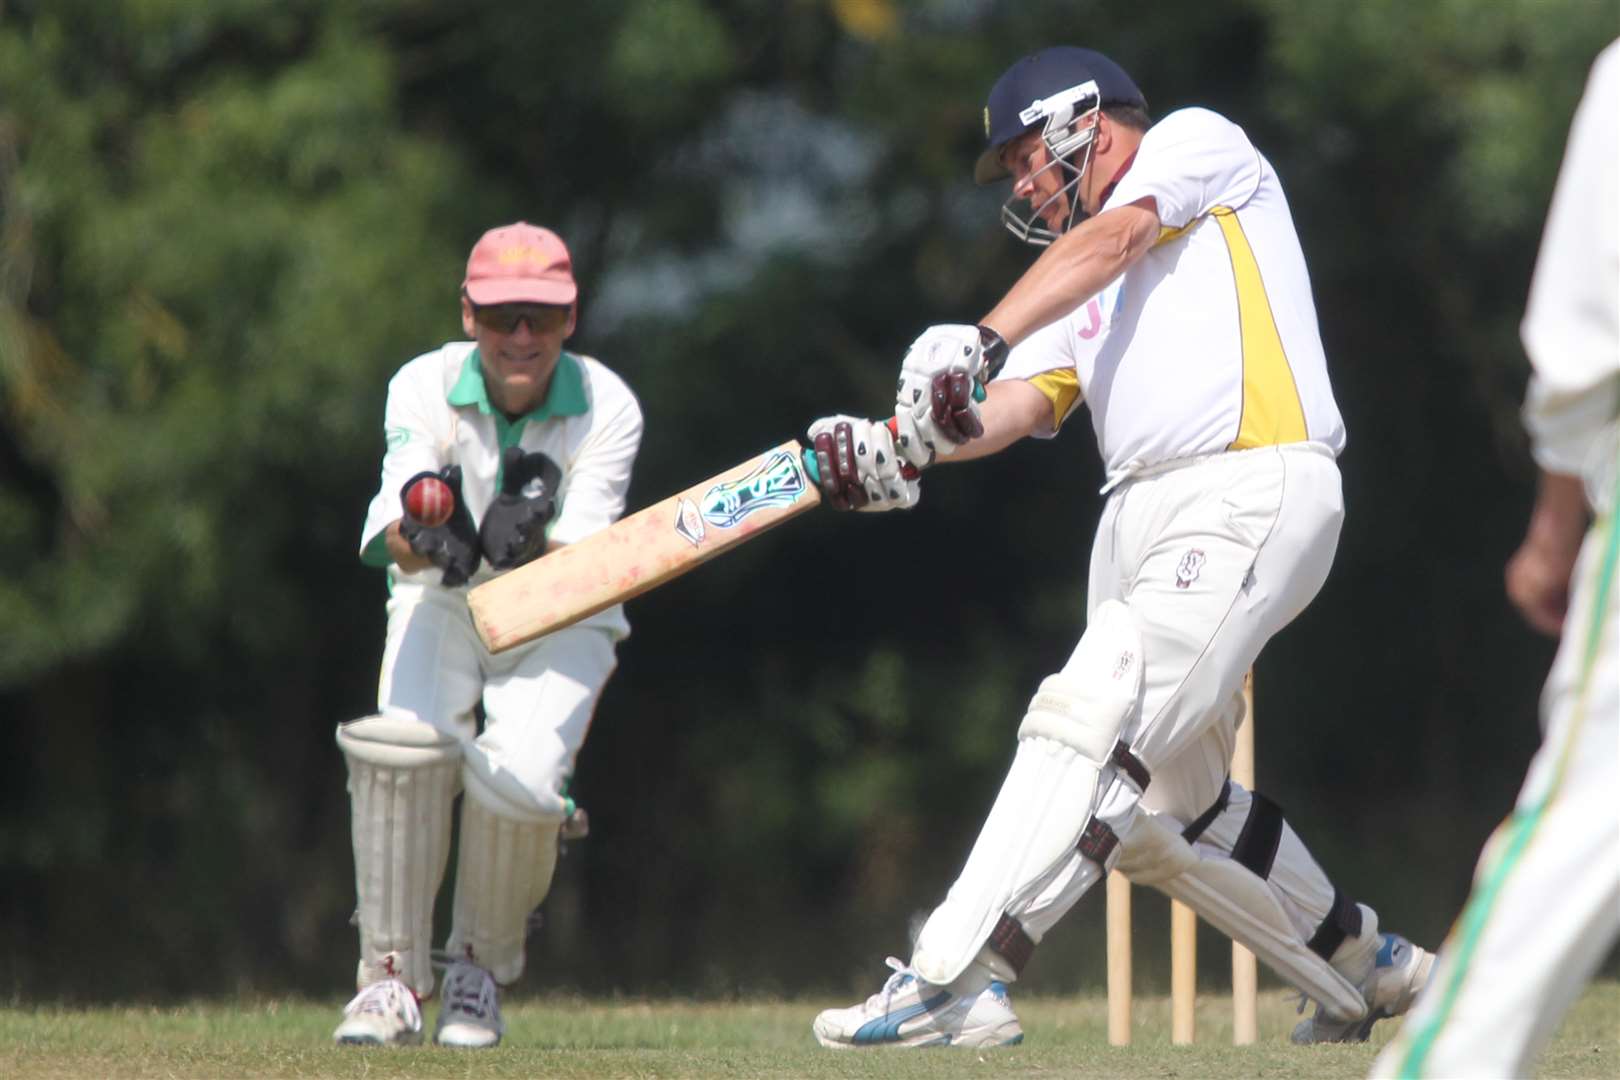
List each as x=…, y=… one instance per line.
x=907, y=470
x=809, y=457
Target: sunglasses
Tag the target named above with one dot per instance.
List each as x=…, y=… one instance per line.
x=504, y=318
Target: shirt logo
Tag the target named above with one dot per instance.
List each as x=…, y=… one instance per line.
x=1094, y=317
x=1187, y=569
x=396, y=437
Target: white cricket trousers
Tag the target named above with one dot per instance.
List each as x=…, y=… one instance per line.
x=1545, y=907
x=538, y=698
x=1213, y=558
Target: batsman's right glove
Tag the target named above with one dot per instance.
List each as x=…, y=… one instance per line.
x=453, y=546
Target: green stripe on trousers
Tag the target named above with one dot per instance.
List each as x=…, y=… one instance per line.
x=1513, y=836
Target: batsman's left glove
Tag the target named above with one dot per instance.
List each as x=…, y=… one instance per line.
x=514, y=527
x=858, y=468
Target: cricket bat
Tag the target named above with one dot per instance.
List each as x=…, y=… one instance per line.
x=646, y=549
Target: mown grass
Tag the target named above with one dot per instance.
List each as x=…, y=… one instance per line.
x=568, y=1037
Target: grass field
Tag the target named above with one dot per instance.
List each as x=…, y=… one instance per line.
x=574, y=1037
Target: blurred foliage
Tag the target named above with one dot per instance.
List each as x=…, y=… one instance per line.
x=224, y=224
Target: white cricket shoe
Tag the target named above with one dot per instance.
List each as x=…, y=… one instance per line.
x=910, y=1012
x=386, y=1013
x=471, y=1016
x=1399, y=972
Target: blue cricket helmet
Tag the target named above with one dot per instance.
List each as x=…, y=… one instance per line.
x=1030, y=91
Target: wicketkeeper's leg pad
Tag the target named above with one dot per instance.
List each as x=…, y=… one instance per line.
x=504, y=869
x=1068, y=750
x=402, y=781
x=1232, y=897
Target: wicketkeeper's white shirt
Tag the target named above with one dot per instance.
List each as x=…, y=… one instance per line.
x=438, y=413
x=1210, y=341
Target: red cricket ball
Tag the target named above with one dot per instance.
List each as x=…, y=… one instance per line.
x=430, y=501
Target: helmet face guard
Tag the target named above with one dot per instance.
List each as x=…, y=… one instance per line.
x=1068, y=121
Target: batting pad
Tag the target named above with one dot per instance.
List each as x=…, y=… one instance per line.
x=402, y=780
x=1064, y=747
x=503, y=872
x=1237, y=902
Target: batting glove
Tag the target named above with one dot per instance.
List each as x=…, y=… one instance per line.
x=453, y=546
x=514, y=527
x=936, y=406
x=858, y=467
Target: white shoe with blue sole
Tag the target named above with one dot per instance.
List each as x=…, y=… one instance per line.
x=1399, y=972
x=910, y=1012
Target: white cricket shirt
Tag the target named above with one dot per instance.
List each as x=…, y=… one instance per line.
x=1209, y=342
x=438, y=413
x=1571, y=327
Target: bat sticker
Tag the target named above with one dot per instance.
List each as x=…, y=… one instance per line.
x=652, y=546
x=689, y=523
x=779, y=481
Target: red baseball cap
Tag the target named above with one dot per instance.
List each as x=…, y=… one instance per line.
x=520, y=263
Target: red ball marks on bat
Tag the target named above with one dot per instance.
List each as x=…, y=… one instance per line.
x=430, y=501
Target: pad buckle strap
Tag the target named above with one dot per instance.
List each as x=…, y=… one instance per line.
x=1343, y=920
x=1097, y=842
x=1196, y=827
x=1012, y=942
x=1131, y=765
x=1261, y=835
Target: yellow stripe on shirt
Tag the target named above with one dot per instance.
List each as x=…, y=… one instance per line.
x=1062, y=389
x=1272, y=412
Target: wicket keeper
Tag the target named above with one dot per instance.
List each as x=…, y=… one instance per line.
x=536, y=444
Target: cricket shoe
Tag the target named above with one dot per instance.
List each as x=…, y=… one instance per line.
x=386, y=1013
x=1399, y=972
x=471, y=1016
x=910, y=1012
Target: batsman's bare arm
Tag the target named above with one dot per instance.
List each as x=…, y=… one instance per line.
x=1077, y=266
x=1010, y=411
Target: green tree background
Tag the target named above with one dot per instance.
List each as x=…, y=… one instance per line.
x=224, y=223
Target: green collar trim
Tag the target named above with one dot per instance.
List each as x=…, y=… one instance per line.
x=564, y=397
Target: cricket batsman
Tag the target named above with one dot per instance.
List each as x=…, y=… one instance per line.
x=1172, y=299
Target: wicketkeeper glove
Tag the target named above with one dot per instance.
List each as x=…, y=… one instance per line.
x=453, y=546
x=514, y=527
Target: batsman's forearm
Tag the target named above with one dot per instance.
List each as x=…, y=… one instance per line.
x=1011, y=410
x=1078, y=266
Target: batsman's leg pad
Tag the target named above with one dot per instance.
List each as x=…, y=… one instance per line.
x=508, y=854
x=402, y=781
x=1236, y=901
x=1252, y=830
x=1067, y=747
